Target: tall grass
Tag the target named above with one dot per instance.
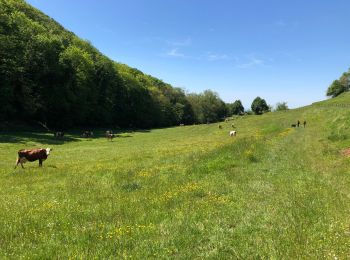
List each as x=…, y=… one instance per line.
x=184, y=192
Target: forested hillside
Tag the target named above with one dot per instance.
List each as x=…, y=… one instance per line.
x=48, y=74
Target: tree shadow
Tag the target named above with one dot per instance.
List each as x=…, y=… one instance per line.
x=131, y=131
x=73, y=136
x=123, y=136
x=24, y=137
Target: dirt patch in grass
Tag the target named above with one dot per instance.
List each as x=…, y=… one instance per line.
x=346, y=152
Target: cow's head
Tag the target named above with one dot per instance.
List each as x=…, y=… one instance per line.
x=48, y=150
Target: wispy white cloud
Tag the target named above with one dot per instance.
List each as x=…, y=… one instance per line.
x=180, y=43
x=252, y=62
x=174, y=52
x=217, y=57
x=175, y=48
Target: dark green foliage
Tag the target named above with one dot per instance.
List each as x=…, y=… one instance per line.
x=207, y=107
x=259, y=106
x=336, y=88
x=340, y=85
x=236, y=108
x=48, y=74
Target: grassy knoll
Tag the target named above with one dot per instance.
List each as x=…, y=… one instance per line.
x=185, y=192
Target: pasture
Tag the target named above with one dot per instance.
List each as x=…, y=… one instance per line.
x=185, y=192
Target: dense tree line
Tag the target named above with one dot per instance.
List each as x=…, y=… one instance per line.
x=48, y=74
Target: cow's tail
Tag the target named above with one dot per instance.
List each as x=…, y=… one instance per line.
x=18, y=158
x=17, y=161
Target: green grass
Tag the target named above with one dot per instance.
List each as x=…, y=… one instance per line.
x=185, y=192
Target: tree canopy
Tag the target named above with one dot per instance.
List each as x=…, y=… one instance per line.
x=236, y=108
x=259, y=106
x=281, y=106
x=207, y=106
x=340, y=85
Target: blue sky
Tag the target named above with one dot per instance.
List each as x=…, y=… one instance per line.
x=280, y=50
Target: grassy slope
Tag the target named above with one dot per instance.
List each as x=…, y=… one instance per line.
x=185, y=192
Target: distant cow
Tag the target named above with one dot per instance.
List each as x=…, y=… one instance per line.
x=233, y=133
x=233, y=125
x=58, y=134
x=182, y=124
x=294, y=125
x=87, y=134
x=220, y=126
x=110, y=136
x=32, y=155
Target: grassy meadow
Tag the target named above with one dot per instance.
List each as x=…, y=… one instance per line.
x=186, y=192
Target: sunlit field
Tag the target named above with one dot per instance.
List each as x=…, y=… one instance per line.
x=185, y=192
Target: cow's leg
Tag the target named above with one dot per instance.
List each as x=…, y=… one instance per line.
x=17, y=162
x=40, y=163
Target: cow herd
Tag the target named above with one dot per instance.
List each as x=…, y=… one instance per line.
x=41, y=154
x=86, y=134
x=231, y=133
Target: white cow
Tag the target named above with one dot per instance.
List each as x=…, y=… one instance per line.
x=233, y=133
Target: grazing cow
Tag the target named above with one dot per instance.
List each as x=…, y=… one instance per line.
x=232, y=125
x=304, y=123
x=58, y=134
x=182, y=124
x=32, y=155
x=110, y=136
x=298, y=123
x=220, y=126
x=233, y=133
x=294, y=125
x=87, y=134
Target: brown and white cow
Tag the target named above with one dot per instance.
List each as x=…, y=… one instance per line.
x=233, y=133
x=32, y=155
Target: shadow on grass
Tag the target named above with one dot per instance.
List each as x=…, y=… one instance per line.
x=131, y=131
x=48, y=138
x=23, y=137
x=123, y=136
